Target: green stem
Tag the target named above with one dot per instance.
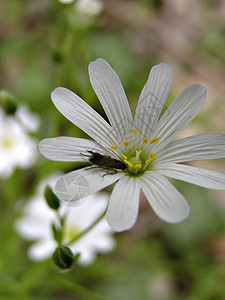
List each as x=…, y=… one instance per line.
x=87, y=229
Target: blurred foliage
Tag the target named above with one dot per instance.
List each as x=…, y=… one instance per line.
x=44, y=44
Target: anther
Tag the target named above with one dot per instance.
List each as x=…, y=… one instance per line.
x=128, y=163
x=154, y=140
x=126, y=143
x=152, y=157
x=124, y=157
x=114, y=147
x=134, y=131
x=145, y=140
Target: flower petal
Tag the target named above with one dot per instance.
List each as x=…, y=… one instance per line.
x=123, y=204
x=82, y=115
x=153, y=98
x=68, y=148
x=205, y=178
x=75, y=187
x=41, y=250
x=110, y=92
x=179, y=114
x=199, y=147
x=169, y=204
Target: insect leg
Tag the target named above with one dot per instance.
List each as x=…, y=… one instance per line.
x=110, y=173
x=91, y=167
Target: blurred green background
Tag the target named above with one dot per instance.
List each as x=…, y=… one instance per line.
x=45, y=44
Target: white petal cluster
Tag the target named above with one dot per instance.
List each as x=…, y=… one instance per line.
x=17, y=148
x=37, y=219
x=145, y=144
x=89, y=7
x=86, y=7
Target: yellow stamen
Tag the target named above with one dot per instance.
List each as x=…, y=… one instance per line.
x=145, y=140
x=126, y=143
x=134, y=131
x=114, y=147
x=128, y=163
x=154, y=140
x=124, y=157
x=138, y=166
x=152, y=157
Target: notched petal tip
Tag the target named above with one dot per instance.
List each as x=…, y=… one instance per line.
x=98, y=60
x=96, y=63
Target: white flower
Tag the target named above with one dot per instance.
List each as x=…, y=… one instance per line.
x=38, y=218
x=66, y=1
x=17, y=148
x=89, y=7
x=145, y=144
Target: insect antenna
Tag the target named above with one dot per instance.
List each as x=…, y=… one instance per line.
x=85, y=154
x=116, y=154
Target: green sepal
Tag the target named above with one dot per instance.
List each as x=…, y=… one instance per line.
x=63, y=257
x=8, y=102
x=76, y=257
x=51, y=199
x=57, y=233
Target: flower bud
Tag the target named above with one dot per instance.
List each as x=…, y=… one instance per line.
x=63, y=257
x=51, y=198
x=57, y=56
x=8, y=103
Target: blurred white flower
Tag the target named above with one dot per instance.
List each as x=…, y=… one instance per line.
x=17, y=148
x=66, y=1
x=29, y=120
x=89, y=7
x=38, y=218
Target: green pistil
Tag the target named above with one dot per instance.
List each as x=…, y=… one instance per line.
x=137, y=164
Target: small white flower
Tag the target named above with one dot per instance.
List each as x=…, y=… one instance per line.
x=38, y=217
x=66, y=1
x=17, y=148
x=144, y=143
x=89, y=7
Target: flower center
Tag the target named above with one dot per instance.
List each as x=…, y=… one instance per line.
x=7, y=143
x=139, y=157
x=71, y=232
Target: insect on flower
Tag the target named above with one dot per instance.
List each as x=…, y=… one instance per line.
x=106, y=161
x=146, y=144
